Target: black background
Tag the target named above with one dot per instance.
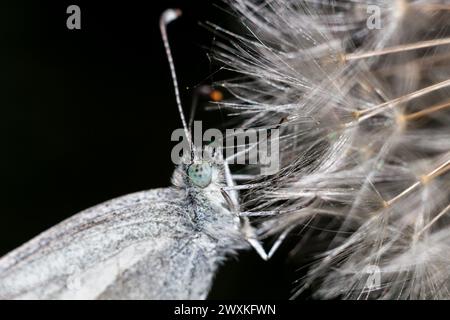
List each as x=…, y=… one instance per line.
x=87, y=115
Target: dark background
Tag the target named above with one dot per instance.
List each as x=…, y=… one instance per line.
x=87, y=115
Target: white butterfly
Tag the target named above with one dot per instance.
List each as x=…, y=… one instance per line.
x=157, y=244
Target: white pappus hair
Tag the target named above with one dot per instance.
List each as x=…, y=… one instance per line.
x=364, y=119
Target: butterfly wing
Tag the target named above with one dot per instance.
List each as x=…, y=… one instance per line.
x=138, y=246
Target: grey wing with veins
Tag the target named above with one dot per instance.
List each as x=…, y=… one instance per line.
x=139, y=246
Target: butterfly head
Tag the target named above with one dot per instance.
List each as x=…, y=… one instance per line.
x=201, y=170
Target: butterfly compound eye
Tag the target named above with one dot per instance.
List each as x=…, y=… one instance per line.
x=200, y=174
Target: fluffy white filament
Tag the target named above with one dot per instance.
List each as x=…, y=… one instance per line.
x=364, y=116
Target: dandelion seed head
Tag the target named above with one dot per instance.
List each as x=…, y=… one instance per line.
x=366, y=136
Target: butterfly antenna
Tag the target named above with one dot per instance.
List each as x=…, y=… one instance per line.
x=167, y=17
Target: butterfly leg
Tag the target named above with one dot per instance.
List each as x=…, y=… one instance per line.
x=246, y=227
x=256, y=244
x=250, y=234
x=251, y=238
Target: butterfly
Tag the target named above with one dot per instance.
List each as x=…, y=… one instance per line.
x=158, y=244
